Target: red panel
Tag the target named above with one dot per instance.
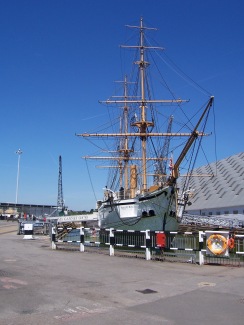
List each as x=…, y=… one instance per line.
x=161, y=240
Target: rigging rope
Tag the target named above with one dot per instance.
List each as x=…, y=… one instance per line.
x=90, y=180
x=192, y=165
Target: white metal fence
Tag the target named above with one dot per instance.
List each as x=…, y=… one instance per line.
x=179, y=246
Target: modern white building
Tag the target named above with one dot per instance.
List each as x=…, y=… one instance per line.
x=222, y=194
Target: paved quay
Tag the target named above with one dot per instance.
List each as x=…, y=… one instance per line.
x=7, y=227
x=43, y=286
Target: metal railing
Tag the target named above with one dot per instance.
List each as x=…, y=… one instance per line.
x=158, y=245
x=39, y=228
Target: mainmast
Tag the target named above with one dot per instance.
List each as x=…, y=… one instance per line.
x=143, y=124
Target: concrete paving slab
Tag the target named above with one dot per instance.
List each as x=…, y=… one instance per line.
x=43, y=286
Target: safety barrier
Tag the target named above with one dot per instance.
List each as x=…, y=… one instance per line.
x=107, y=237
x=181, y=246
x=202, y=247
x=239, y=244
x=39, y=228
x=147, y=241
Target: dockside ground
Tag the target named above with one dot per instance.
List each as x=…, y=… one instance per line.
x=42, y=286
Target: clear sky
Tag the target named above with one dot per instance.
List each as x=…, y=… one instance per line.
x=59, y=57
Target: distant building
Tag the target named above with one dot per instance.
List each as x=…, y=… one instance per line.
x=222, y=194
x=28, y=209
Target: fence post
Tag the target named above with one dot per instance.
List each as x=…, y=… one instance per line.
x=111, y=242
x=201, y=255
x=148, y=245
x=45, y=228
x=82, y=239
x=19, y=227
x=54, y=246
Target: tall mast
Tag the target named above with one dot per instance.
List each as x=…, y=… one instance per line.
x=143, y=123
x=126, y=147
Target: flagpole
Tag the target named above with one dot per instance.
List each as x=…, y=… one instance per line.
x=19, y=152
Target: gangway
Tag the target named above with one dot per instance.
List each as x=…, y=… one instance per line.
x=74, y=218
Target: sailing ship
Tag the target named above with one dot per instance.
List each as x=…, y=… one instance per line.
x=143, y=192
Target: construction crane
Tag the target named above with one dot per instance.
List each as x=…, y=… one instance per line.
x=60, y=201
x=161, y=168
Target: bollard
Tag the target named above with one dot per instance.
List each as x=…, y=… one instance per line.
x=54, y=246
x=82, y=239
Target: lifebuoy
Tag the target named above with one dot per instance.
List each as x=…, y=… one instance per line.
x=231, y=243
x=217, y=244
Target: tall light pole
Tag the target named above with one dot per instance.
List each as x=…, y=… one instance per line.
x=19, y=152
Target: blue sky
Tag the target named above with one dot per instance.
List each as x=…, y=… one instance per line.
x=59, y=57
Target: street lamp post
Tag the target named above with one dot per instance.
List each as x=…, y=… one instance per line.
x=19, y=152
